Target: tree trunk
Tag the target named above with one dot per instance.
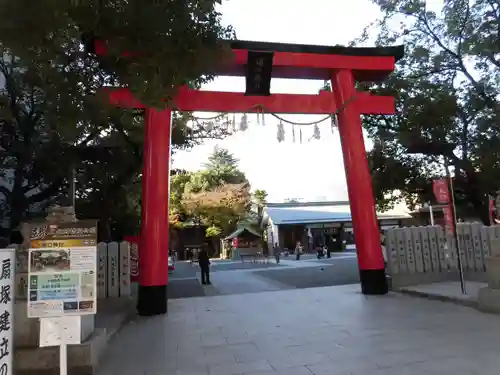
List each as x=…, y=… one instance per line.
x=104, y=226
x=17, y=207
x=18, y=202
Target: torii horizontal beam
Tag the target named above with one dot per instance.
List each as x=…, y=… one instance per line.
x=304, y=61
x=233, y=102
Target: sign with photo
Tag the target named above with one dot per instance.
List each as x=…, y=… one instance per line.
x=62, y=272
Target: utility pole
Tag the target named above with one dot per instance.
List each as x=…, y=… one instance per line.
x=454, y=228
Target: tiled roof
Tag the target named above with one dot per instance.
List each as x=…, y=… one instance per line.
x=319, y=212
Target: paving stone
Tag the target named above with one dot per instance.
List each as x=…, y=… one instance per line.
x=289, y=371
x=321, y=331
x=240, y=368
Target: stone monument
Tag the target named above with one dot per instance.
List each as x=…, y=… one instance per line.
x=489, y=296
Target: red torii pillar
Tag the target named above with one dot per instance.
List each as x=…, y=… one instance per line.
x=153, y=250
x=340, y=64
x=359, y=188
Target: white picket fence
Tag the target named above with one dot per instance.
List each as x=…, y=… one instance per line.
x=419, y=255
x=113, y=270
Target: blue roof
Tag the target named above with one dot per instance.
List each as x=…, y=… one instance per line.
x=325, y=212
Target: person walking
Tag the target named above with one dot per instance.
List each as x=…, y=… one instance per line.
x=328, y=252
x=204, y=263
x=298, y=250
x=319, y=252
x=277, y=253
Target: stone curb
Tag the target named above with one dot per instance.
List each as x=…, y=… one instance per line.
x=439, y=297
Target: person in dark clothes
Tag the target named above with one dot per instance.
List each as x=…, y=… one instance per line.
x=298, y=250
x=204, y=263
x=277, y=253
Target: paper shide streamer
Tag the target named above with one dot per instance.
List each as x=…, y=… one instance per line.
x=281, y=132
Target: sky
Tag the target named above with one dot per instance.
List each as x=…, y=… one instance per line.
x=312, y=171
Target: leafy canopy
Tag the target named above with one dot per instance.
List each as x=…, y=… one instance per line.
x=446, y=90
x=218, y=195
x=51, y=109
x=170, y=43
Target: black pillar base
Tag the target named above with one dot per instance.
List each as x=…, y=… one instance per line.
x=373, y=282
x=152, y=300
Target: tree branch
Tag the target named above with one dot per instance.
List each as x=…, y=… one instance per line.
x=135, y=147
x=89, y=138
x=6, y=192
x=50, y=192
x=480, y=88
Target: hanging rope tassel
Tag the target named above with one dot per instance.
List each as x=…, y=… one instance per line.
x=281, y=133
x=244, y=123
x=316, y=134
x=300, y=135
x=258, y=118
x=234, y=123
x=293, y=133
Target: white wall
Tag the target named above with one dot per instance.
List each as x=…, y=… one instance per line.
x=272, y=234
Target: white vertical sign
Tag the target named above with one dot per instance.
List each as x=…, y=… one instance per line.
x=124, y=269
x=7, y=271
x=113, y=271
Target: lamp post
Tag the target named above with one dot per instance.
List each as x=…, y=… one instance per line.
x=441, y=149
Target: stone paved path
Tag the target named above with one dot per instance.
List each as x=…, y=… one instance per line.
x=320, y=331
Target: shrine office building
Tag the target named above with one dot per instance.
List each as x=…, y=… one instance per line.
x=317, y=224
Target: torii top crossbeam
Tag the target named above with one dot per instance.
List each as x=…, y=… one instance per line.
x=302, y=61
x=288, y=61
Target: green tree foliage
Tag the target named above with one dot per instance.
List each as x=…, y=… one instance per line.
x=170, y=43
x=218, y=195
x=446, y=89
x=54, y=117
x=221, y=168
x=109, y=182
x=105, y=147
x=36, y=150
x=220, y=208
x=259, y=198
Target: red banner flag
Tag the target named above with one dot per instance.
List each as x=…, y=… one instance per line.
x=441, y=191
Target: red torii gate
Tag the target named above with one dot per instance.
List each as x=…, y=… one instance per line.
x=344, y=66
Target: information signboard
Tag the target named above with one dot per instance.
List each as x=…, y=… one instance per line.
x=63, y=270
